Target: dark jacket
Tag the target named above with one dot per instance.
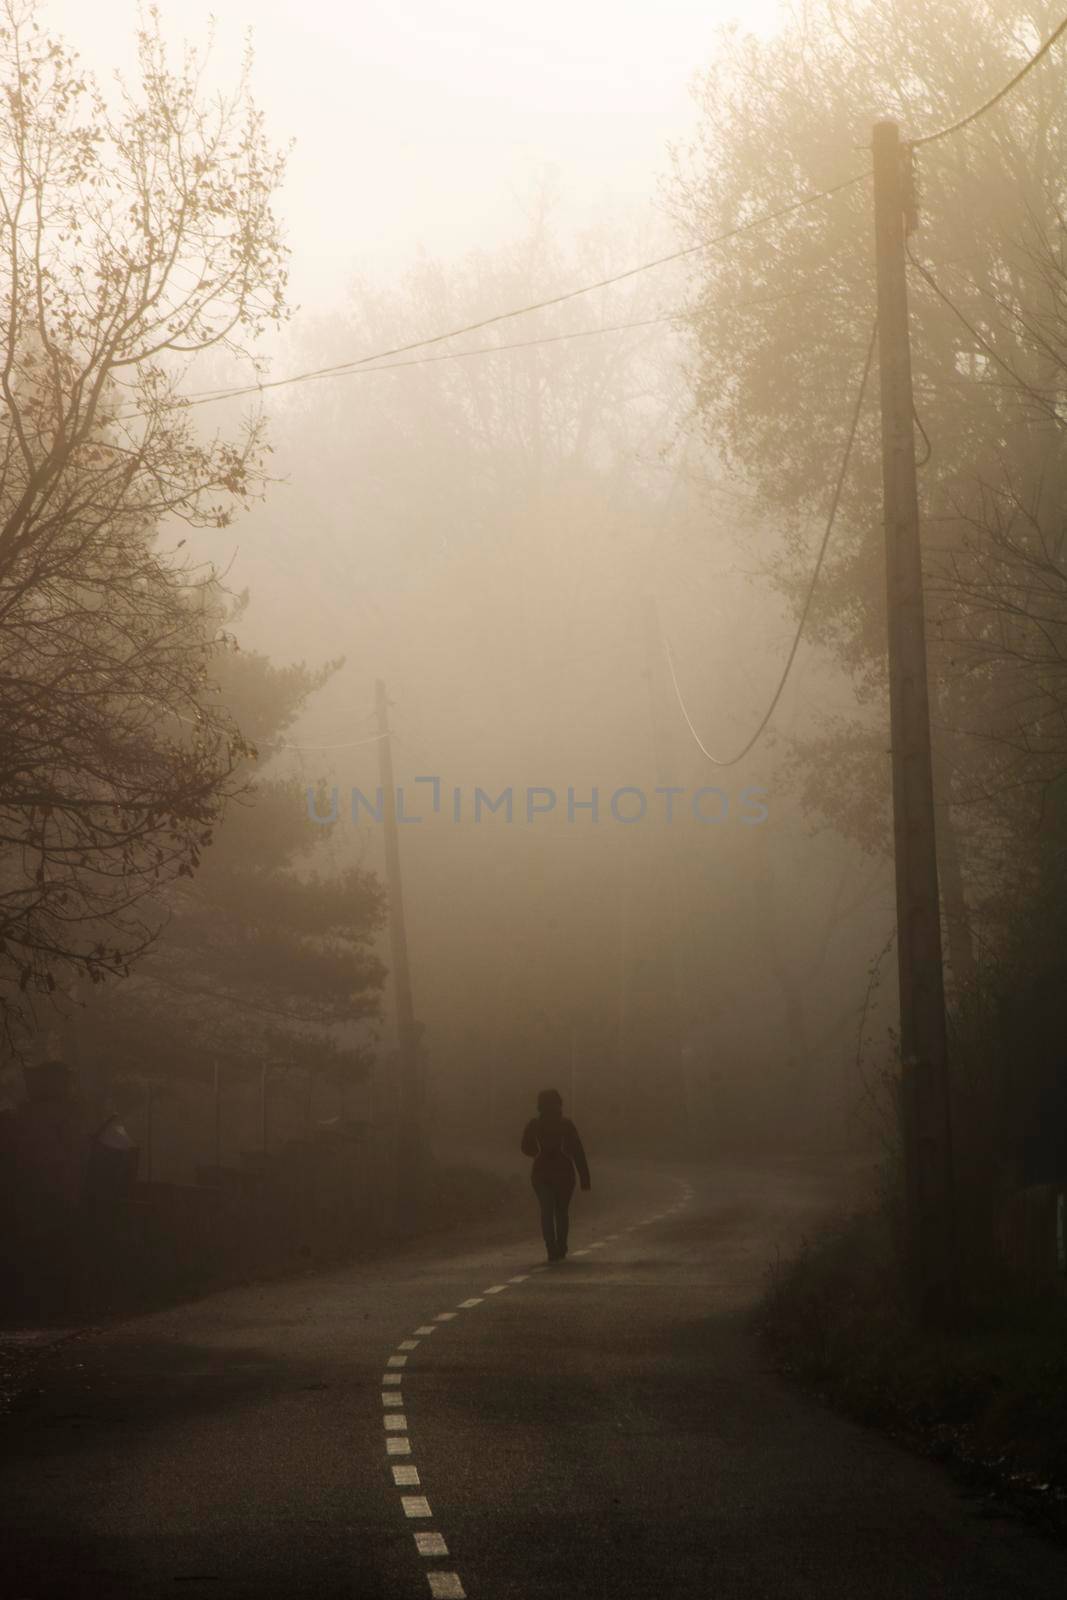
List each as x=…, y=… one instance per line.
x=554, y=1144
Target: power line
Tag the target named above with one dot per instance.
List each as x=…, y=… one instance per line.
x=838, y=486
x=762, y=220
x=980, y=111
x=349, y=744
x=925, y=438
x=359, y=369
x=354, y=370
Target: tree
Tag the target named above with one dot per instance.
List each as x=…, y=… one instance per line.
x=986, y=304
x=130, y=240
x=504, y=502
x=261, y=958
x=988, y=324
x=515, y=509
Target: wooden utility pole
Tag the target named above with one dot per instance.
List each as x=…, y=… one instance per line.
x=668, y=855
x=410, y=1088
x=622, y=1053
x=924, y=1087
x=218, y=1119
x=149, y=1130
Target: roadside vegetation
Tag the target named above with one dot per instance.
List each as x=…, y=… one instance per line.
x=988, y=1394
x=989, y=337
x=990, y=1400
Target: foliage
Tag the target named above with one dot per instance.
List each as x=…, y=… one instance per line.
x=130, y=240
x=991, y=1398
x=263, y=958
x=780, y=321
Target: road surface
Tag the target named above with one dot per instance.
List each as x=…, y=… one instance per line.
x=462, y=1420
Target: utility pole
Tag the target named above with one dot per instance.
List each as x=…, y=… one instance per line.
x=409, y=1144
x=149, y=1130
x=622, y=1052
x=218, y=1120
x=669, y=862
x=924, y=1085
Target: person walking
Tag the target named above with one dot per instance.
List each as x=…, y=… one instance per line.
x=552, y=1140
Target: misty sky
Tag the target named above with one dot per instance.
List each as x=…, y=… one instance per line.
x=429, y=125
x=443, y=530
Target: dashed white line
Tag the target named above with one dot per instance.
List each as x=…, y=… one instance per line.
x=415, y=1505
x=446, y=1586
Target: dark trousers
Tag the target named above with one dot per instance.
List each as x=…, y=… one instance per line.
x=554, y=1200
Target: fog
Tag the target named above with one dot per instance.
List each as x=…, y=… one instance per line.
x=487, y=537
x=522, y=545
x=507, y=541
x=429, y=127
x=533, y=629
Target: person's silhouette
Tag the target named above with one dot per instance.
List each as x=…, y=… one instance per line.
x=553, y=1142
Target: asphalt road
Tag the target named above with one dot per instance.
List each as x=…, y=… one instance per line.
x=599, y=1428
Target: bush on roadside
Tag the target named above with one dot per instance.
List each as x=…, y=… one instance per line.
x=993, y=1391
x=467, y=1194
